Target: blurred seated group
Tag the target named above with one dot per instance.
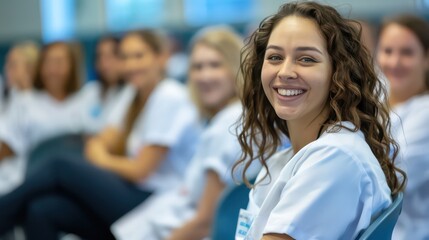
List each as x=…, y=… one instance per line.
x=101, y=160
x=138, y=155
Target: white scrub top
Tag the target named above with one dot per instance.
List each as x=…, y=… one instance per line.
x=330, y=189
x=31, y=118
x=163, y=213
x=411, y=130
x=2, y=86
x=36, y=116
x=167, y=119
x=98, y=106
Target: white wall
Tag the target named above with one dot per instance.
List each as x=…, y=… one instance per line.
x=19, y=19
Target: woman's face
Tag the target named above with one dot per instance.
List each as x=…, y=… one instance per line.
x=18, y=72
x=403, y=61
x=56, y=68
x=141, y=66
x=107, y=63
x=296, y=72
x=211, y=77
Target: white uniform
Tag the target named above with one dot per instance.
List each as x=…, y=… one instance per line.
x=158, y=216
x=330, y=189
x=167, y=119
x=2, y=86
x=98, y=106
x=411, y=130
x=31, y=118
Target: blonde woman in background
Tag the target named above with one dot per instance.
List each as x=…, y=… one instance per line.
x=19, y=70
x=186, y=212
x=100, y=95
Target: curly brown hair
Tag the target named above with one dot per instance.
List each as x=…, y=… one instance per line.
x=354, y=94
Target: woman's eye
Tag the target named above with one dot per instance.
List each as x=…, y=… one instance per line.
x=275, y=58
x=307, y=60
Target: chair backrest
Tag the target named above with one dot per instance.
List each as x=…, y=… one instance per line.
x=226, y=216
x=382, y=227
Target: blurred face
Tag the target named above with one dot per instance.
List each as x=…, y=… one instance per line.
x=107, y=62
x=141, y=66
x=18, y=73
x=296, y=72
x=211, y=77
x=56, y=68
x=403, y=61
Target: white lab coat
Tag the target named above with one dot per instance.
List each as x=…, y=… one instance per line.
x=98, y=106
x=411, y=130
x=32, y=117
x=330, y=189
x=161, y=214
x=167, y=119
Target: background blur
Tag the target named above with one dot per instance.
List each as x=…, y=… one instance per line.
x=86, y=20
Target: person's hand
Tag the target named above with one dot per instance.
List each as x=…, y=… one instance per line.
x=96, y=153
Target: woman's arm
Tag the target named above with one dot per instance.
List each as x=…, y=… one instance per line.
x=134, y=170
x=200, y=226
x=276, y=236
x=99, y=150
x=5, y=151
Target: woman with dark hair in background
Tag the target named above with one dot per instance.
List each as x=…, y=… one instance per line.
x=403, y=57
x=307, y=75
x=51, y=108
x=145, y=148
x=101, y=94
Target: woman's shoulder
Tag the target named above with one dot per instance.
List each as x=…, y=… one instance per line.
x=91, y=86
x=170, y=89
x=228, y=116
x=340, y=144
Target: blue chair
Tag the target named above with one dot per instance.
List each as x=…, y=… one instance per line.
x=228, y=208
x=382, y=227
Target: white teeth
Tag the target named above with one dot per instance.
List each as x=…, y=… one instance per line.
x=289, y=92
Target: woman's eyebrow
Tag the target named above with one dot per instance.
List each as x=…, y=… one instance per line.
x=307, y=48
x=298, y=49
x=275, y=47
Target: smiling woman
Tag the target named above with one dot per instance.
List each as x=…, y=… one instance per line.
x=307, y=76
x=403, y=56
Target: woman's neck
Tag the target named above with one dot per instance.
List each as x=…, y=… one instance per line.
x=147, y=89
x=57, y=95
x=397, y=98
x=213, y=111
x=301, y=133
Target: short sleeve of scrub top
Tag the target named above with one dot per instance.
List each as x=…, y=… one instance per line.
x=325, y=197
x=166, y=114
x=330, y=189
x=221, y=147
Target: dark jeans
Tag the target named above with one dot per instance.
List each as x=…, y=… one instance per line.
x=70, y=196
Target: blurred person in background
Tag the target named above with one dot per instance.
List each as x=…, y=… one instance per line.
x=187, y=211
x=177, y=63
x=19, y=70
x=50, y=109
x=145, y=148
x=100, y=95
x=403, y=57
